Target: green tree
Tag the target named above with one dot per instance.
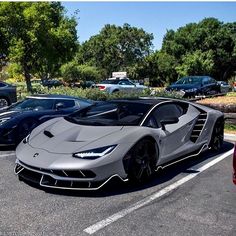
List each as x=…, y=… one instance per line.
x=116, y=48
x=37, y=36
x=197, y=63
x=210, y=40
x=72, y=72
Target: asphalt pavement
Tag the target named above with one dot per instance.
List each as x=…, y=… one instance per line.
x=194, y=197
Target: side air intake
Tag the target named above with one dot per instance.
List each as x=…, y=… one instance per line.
x=198, y=127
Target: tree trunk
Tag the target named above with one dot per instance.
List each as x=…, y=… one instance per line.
x=27, y=79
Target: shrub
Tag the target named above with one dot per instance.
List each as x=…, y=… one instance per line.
x=93, y=93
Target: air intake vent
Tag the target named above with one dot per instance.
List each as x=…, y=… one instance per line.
x=48, y=134
x=198, y=127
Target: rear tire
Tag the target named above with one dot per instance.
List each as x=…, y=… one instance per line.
x=4, y=102
x=217, y=137
x=142, y=162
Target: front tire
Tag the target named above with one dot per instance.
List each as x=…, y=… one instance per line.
x=142, y=161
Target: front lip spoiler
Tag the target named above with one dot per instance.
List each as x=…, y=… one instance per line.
x=19, y=167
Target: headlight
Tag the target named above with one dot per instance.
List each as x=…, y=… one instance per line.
x=191, y=90
x=4, y=120
x=94, y=153
x=26, y=139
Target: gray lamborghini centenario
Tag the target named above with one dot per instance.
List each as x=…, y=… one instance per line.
x=126, y=139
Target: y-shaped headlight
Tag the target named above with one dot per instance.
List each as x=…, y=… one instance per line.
x=26, y=139
x=94, y=153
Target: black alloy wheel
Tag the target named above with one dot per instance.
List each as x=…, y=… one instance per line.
x=217, y=137
x=142, y=161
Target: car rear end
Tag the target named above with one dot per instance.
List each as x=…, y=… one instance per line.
x=108, y=86
x=7, y=94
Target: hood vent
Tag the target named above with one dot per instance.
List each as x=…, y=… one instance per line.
x=48, y=134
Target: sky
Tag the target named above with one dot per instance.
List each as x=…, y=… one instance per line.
x=153, y=17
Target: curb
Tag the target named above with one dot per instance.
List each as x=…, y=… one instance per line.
x=231, y=137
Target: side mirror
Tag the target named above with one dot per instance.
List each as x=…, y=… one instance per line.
x=59, y=106
x=168, y=121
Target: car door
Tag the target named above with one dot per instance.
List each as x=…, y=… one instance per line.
x=209, y=86
x=61, y=107
x=174, y=137
x=64, y=106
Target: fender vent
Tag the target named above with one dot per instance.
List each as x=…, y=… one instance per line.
x=198, y=127
x=48, y=134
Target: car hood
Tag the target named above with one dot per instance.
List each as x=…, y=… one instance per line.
x=9, y=113
x=66, y=137
x=183, y=86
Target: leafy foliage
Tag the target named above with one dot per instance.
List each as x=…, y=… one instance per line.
x=71, y=72
x=36, y=36
x=116, y=48
x=207, y=47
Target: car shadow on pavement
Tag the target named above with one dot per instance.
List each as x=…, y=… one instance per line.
x=8, y=148
x=117, y=187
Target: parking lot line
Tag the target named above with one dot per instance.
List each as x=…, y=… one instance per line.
x=197, y=169
x=8, y=154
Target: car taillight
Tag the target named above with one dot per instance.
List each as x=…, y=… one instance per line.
x=101, y=87
x=234, y=165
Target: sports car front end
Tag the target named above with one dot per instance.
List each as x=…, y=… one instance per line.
x=56, y=157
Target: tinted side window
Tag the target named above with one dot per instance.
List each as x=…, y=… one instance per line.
x=212, y=81
x=66, y=103
x=165, y=111
x=205, y=81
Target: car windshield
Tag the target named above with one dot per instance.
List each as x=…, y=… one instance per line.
x=34, y=104
x=111, y=114
x=189, y=80
x=110, y=81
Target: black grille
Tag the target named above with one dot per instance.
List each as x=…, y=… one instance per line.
x=30, y=175
x=65, y=173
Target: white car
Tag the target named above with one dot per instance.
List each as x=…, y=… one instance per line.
x=116, y=85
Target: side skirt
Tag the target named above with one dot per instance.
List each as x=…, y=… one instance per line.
x=203, y=148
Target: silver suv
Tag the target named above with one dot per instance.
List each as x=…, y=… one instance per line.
x=115, y=85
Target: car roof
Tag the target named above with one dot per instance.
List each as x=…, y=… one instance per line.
x=197, y=76
x=56, y=96
x=144, y=100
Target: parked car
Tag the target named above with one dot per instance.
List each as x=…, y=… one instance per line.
x=83, y=84
x=125, y=139
x=52, y=83
x=20, y=118
x=224, y=87
x=234, y=165
x=7, y=94
x=116, y=85
x=191, y=86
